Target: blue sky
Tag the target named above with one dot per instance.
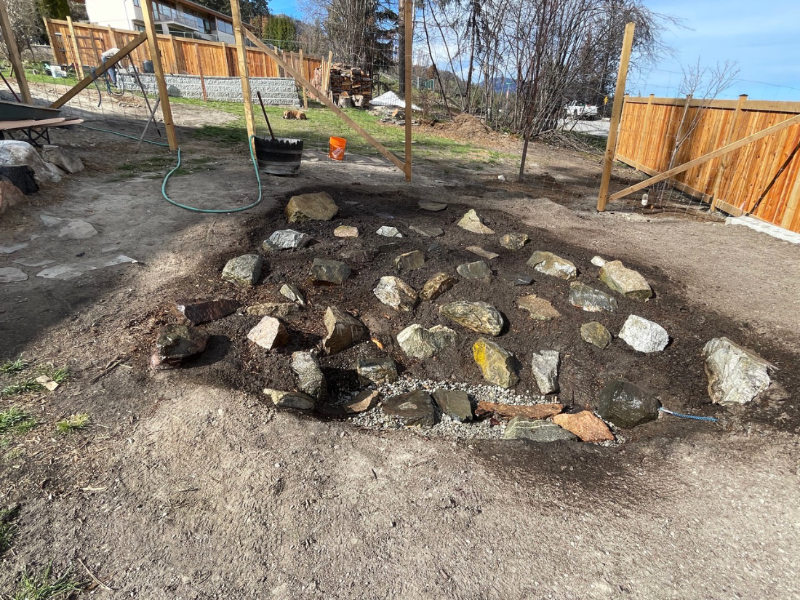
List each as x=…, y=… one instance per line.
x=761, y=38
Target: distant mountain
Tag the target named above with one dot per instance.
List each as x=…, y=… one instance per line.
x=501, y=84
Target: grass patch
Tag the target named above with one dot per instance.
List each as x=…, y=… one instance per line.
x=21, y=387
x=44, y=586
x=16, y=420
x=57, y=374
x=73, y=423
x=7, y=527
x=11, y=367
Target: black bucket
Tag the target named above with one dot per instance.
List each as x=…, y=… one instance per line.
x=280, y=156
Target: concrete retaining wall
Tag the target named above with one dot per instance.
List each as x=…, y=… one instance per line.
x=276, y=91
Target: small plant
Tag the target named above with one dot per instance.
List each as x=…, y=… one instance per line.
x=42, y=586
x=59, y=375
x=73, y=422
x=22, y=387
x=7, y=528
x=13, y=366
x=16, y=420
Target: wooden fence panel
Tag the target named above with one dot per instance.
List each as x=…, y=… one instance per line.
x=179, y=54
x=647, y=141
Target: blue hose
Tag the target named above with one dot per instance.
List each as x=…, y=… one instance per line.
x=214, y=210
x=692, y=417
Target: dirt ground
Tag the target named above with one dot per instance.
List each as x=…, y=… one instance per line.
x=188, y=485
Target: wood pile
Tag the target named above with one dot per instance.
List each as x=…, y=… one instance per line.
x=350, y=85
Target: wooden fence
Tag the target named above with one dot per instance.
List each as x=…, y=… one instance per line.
x=82, y=44
x=747, y=180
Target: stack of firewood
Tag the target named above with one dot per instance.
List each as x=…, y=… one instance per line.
x=350, y=86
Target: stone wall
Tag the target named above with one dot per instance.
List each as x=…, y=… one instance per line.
x=276, y=91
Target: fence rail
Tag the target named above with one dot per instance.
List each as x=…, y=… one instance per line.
x=762, y=177
x=179, y=55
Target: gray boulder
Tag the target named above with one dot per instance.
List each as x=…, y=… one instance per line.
x=590, y=299
x=418, y=342
x=62, y=159
x=343, y=330
x=553, y=265
x=545, y=371
x=270, y=333
x=310, y=378
x=387, y=231
x=377, y=370
x=414, y=409
x=293, y=293
x=625, y=281
x=176, y=343
x=330, y=271
x=454, y=403
x=286, y=239
x=410, y=261
x=318, y=206
x=477, y=316
x=643, y=335
x=395, y=292
x=15, y=153
x=735, y=374
x=626, y=405
x=476, y=271
x=244, y=270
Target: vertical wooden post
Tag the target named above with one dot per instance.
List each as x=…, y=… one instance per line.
x=200, y=70
x=155, y=56
x=244, y=72
x=306, y=75
x=726, y=159
x=13, y=52
x=326, y=75
x=409, y=95
x=75, y=49
x=616, y=113
x=643, y=132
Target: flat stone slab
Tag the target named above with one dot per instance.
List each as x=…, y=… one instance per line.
x=77, y=230
x=520, y=428
x=318, y=206
x=482, y=253
x=432, y=206
x=454, y=403
x=735, y=374
x=477, y=316
x=414, y=409
x=472, y=222
x=73, y=270
x=539, y=309
x=244, y=270
x=430, y=231
x=330, y=271
x=476, y=271
x=12, y=275
x=13, y=248
x=410, y=261
x=286, y=239
x=553, y=265
x=295, y=400
x=625, y=281
x=590, y=299
x=643, y=335
x=279, y=310
x=202, y=311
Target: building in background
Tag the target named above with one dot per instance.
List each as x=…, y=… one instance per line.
x=177, y=17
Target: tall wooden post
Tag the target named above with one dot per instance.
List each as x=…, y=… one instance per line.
x=244, y=71
x=408, y=30
x=303, y=70
x=13, y=52
x=616, y=113
x=155, y=56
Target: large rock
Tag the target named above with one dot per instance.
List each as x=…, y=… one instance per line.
x=14, y=153
x=176, y=343
x=244, y=270
x=643, y=335
x=626, y=405
x=585, y=425
x=330, y=271
x=343, y=330
x=77, y=229
x=596, y=334
x=387, y=231
x=310, y=378
x=296, y=400
x=286, y=239
x=497, y=364
x=12, y=275
x=396, y=293
x=520, y=428
x=509, y=411
x=346, y=231
x=454, y=403
x=22, y=176
x=477, y=316
x=293, y=293
x=544, y=365
x=414, y=409
x=377, y=370
x=10, y=195
x=553, y=265
x=437, y=285
x=472, y=222
x=625, y=281
x=410, y=261
x=202, y=311
x=64, y=160
x=318, y=206
x=514, y=241
x=482, y=252
x=735, y=374
x=418, y=342
x=476, y=271
x=539, y=309
x=590, y=299
x=270, y=333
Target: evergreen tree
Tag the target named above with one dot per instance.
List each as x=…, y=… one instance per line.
x=54, y=9
x=281, y=31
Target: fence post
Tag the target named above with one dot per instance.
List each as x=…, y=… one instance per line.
x=408, y=35
x=305, y=74
x=616, y=113
x=13, y=52
x=155, y=56
x=726, y=159
x=244, y=73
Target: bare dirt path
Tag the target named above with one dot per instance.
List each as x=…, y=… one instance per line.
x=186, y=488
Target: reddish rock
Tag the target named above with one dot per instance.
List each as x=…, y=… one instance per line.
x=509, y=411
x=585, y=425
x=202, y=311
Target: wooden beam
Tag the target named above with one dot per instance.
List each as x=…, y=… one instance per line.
x=86, y=81
x=244, y=71
x=75, y=49
x=13, y=53
x=319, y=95
x=726, y=159
x=408, y=27
x=155, y=56
x=616, y=113
x=305, y=94
x=706, y=157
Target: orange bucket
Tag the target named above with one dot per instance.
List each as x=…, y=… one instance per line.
x=336, y=148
